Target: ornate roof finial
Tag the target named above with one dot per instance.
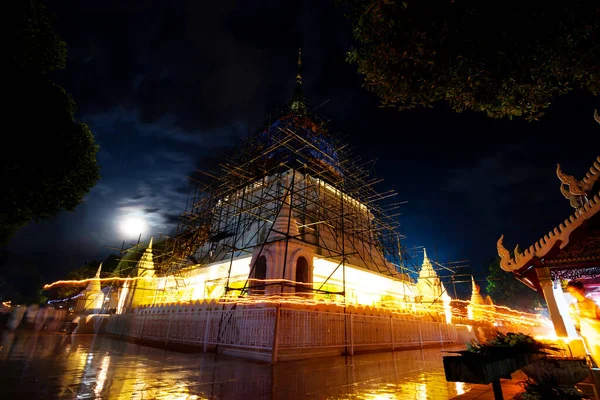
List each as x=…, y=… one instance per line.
x=299, y=77
x=298, y=104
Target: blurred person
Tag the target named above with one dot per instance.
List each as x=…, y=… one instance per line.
x=586, y=315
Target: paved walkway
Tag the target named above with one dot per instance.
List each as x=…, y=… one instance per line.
x=97, y=367
x=510, y=387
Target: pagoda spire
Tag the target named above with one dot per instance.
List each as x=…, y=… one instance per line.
x=427, y=270
x=298, y=103
x=146, y=263
x=98, y=272
x=476, y=297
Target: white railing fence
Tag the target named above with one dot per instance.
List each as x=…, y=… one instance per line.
x=279, y=329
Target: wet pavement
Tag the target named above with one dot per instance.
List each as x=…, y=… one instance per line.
x=51, y=366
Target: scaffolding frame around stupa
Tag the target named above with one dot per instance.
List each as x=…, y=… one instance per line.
x=246, y=194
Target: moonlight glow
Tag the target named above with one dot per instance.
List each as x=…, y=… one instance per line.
x=133, y=226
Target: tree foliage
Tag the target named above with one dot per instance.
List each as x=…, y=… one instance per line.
x=504, y=59
x=49, y=163
x=506, y=290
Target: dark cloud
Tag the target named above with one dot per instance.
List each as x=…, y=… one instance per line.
x=171, y=87
x=172, y=219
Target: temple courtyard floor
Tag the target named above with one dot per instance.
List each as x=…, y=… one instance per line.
x=50, y=366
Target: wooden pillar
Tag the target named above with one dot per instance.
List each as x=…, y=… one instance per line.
x=543, y=274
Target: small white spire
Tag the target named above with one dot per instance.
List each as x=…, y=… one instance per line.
x=285, y=221
x=146, y=263
x=98, y=272
x=425, y=254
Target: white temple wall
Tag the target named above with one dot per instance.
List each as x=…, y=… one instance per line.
x=362, y=286
x=313, y=193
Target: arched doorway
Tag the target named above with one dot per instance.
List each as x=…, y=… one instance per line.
x=260, y=272
x=302, y=275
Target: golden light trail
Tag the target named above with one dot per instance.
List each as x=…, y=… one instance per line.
x=496, y=314
x=83, y=281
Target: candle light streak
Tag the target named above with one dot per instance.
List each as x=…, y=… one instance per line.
x=499, y=316
x=84, y=281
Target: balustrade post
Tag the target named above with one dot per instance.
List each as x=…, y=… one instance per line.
x=275, y=347
x=392, y=330
x=351, y=334
x=122, y=323
x=441, y=335
x=143, y=324
x=207, y=329
x=420, y=333
x=169, y=327
x=119, y=325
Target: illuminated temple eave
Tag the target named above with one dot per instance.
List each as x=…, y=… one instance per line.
x=555, y=240
x=215, y=269
x=366, y=286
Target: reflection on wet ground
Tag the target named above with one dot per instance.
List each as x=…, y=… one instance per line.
x=49, y=366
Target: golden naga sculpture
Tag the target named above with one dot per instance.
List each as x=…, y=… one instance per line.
x=506, y=261
x=574, y=190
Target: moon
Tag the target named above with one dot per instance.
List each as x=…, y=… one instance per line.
x=132, y=226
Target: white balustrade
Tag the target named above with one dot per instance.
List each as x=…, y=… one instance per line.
x=254, y=328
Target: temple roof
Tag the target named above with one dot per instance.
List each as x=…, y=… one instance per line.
x=573, y=243
x=303, y=133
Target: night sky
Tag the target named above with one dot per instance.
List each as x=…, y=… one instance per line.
x=163, y=85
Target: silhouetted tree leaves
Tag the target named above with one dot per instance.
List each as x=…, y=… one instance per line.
x=505, y=59
x=48, y=160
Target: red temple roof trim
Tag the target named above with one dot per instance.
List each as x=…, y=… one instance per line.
x=556, y=238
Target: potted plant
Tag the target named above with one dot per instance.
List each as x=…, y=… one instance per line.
x=497, y=358
x=547, y=390
x=561, y=367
